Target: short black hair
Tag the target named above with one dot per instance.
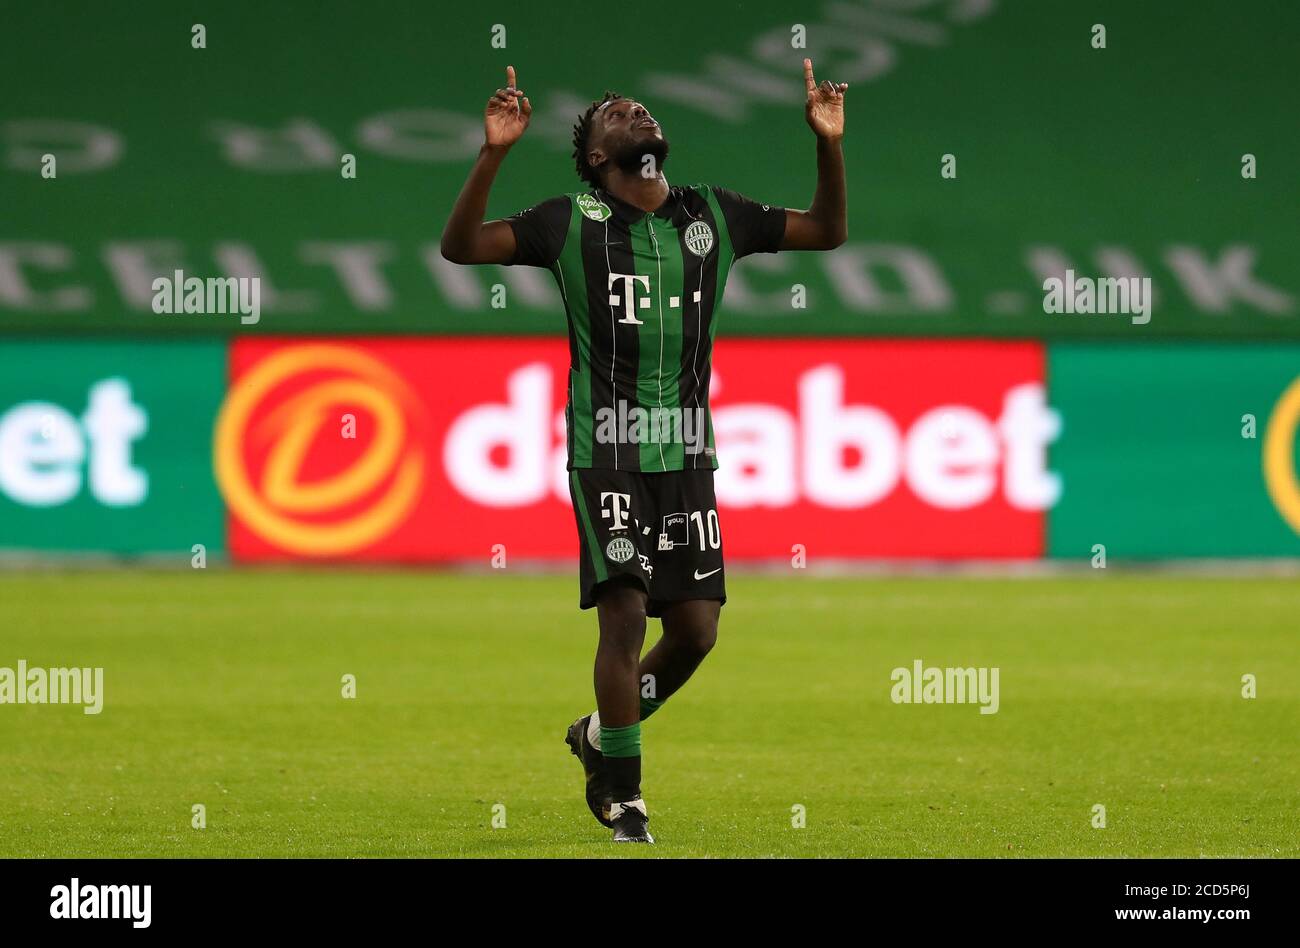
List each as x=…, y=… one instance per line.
x=581, y=135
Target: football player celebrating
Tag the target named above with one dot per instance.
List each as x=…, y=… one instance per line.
x=641, y=267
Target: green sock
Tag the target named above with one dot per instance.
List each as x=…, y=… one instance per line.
x=649, y=706
x=621, y=741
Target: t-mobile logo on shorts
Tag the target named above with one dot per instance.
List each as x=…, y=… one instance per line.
x=617, y=509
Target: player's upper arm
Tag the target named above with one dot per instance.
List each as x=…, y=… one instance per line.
x=494, y=243
x=803, y=232
x=537, y=234
x=753, y=227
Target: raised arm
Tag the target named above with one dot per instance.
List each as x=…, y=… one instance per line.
x=466, y=239
x=824, y=226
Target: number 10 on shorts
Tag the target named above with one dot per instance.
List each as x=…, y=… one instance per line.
x=713, y=533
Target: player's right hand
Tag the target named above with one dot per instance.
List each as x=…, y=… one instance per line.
x=507, y=113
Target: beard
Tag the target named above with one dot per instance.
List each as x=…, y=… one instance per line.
x=631, y=157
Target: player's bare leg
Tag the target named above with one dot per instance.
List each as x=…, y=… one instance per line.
x=621, y=613
x=690, y=632
x=621, y=610
x=628, y=691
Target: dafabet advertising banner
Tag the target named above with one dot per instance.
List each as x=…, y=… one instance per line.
x=405, y=449
x=441, y=449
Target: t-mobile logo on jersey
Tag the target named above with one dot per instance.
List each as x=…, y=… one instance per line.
x=630, y=302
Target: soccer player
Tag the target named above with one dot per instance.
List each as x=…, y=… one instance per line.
x=641, y=268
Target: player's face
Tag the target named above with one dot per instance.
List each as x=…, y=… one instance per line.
x=628, y=120
x=628, y=131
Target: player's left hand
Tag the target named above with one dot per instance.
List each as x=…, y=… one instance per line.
x=825, y=106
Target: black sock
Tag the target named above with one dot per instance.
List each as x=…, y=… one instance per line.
x=624, y=775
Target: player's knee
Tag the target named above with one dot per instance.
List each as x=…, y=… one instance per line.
x=625, y=618
x=623, y=634
x=700, y=637
x=622, y=608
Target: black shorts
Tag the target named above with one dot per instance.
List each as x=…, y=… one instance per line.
x=661, y=529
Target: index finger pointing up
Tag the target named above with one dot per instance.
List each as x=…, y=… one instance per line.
x=510, y=77
x=808, y=79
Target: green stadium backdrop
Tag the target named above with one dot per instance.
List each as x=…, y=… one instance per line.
x=905, y=396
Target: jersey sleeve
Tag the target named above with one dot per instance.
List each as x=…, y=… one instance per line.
x=540, y=232
x=753, y=227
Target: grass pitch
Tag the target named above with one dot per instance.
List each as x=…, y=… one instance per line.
x=223, y=688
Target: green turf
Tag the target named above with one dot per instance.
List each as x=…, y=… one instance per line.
x=223, y=688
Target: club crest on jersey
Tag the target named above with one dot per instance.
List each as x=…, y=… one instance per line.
x=596, y=209
x=699, y=239
x=620, y=550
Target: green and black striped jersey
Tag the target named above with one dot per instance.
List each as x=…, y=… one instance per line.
x=641, y=292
